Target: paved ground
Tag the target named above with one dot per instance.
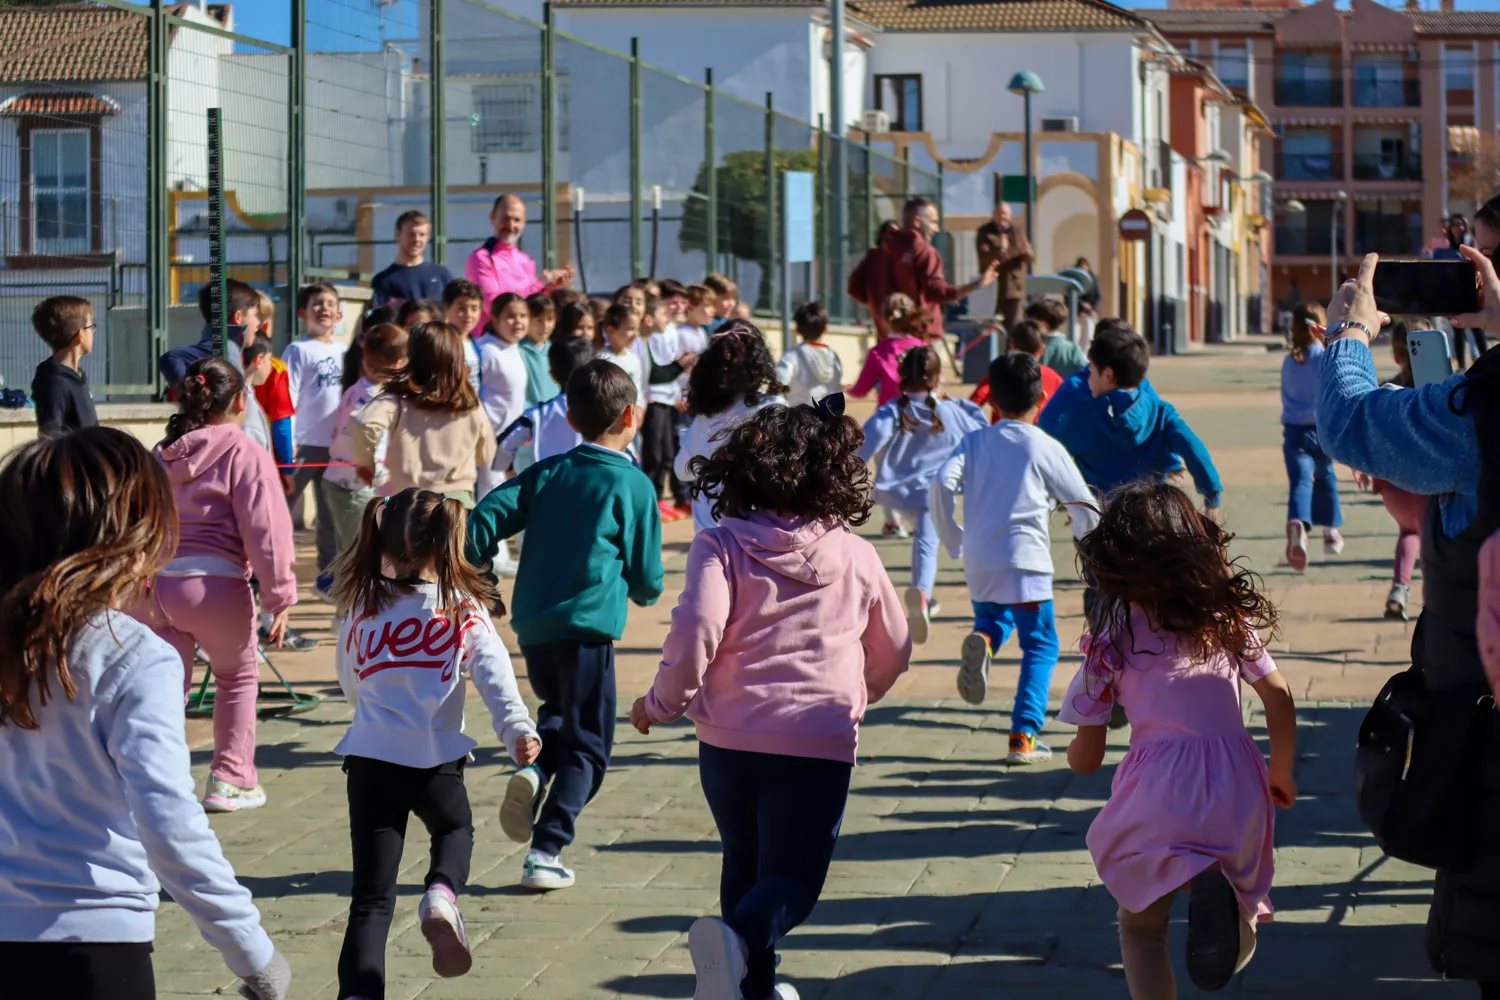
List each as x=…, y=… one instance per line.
x=956, y=876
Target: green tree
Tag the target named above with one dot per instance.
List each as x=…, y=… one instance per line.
x=744, y=229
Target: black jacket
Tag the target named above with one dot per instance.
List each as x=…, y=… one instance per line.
x=62, y=399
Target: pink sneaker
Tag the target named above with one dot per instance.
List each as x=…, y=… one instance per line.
x=443, y=927
x=1296, y=545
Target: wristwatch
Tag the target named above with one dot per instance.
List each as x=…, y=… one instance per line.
x=1336, y=331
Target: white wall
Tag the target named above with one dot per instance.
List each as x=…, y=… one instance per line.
x=856, y=62
x=964, y=76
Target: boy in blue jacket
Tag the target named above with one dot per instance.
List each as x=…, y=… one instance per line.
x=1117, y=428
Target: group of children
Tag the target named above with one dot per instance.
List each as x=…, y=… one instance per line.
x=788, y=626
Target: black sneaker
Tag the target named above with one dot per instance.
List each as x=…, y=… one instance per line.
x=291, y=639
x=1213, y=944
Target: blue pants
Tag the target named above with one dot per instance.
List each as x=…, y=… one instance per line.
x=1036, y=630
x=778, y=819
x=924, y=548
x=576, y=682
x=1314, y=497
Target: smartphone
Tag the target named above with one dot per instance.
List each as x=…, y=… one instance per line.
x=1426, y=287
x=1431, y=360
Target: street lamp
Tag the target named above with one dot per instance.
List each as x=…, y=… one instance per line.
x=1296, y=207
x=1026, y=83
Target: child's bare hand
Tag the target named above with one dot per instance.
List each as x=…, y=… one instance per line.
x=1362, y=480
x=528, y=749
x=1283, y=790
x=638, y=717
x=288, y=484
x=687, y=359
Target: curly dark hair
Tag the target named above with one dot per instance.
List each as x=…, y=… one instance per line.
x=1154, y=550
x=736, y=366
x=794, y=460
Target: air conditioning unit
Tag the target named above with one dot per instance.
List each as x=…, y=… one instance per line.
x=875, y=121
x=1068, y=123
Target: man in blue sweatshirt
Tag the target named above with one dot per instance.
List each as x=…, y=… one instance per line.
x=1115, y=425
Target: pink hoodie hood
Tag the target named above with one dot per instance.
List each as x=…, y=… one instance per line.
x=786, y=630
x=230, y=506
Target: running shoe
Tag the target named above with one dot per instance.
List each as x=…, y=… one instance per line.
x=219, y=796
x=1395, y=602
x=1213, y=944
x=1296, y=545
x=1333, y=542
x=974, y=668
x=719, y=959
x=323, y=589
x=518, y=808
x=545, y=872
x=918, y=618
x=443, y=927
x=894, y=529
x=1025, y=748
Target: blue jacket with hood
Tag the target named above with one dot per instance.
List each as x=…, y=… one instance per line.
x=1126, y=435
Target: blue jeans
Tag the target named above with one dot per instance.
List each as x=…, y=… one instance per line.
x=1036, y=630
x=1314, y=496
x=924, y=549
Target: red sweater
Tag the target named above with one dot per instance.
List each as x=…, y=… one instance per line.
x=1050, y=381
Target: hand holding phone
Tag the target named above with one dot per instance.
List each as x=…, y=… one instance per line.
x=1431, y=359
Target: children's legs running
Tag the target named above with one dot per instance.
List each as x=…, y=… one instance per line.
x=442, y=804
x=1299, y=473
x=378, y=810
x=797, y=809
x=996, y=621
x=1036, y=631
x=1143, y=949
x=924, y=550
x=1325, y=486
x=576, y=721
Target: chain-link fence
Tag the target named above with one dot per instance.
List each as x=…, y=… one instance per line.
x=364, y=110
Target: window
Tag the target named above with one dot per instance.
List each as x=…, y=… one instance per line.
x=1307, y=80
x=1388, y=226
x=60, y=195
x=508, y=117
x=1233, y=67
x=1458, y=75
x=1309, y=232
x=1388, y=152
x=1380, y=81
x=1307, y=154
x=901, y=98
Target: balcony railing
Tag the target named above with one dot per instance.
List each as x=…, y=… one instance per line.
x=1303, y=242
x=1387, y=93
x=1295, y=92
x=1308, y=167
x=1380, y=167
x=1386, y=234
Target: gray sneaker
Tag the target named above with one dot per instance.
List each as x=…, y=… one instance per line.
x=974, y=668
x=1395, y=602
x=518, y=809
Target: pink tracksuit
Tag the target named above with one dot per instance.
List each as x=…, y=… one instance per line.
x=232, y=521
x=497, y=268
x=879, y=372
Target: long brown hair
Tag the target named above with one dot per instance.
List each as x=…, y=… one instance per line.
x=436, y=375
x=398, y=537
x=920, y=370
x=1303, y=337
x=89, y=520
x=208, y=389
x=1153, y=550
x=903, y=316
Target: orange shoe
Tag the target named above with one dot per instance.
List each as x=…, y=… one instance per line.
x=1025, y=748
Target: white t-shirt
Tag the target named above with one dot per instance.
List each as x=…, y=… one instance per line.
x=630, y=360
x=703, y=436
x=314, y=370
x=502, y=381
x=661, y=349
x=690, y=338
x=471, y=361
x=355, y=397
x=808, y=368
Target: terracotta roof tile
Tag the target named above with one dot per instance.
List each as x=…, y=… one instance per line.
x=1234, y=21
x=61, y=103
x=71, y=43
x=995, y=15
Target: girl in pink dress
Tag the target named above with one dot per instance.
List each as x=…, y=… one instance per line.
x=1190, y=806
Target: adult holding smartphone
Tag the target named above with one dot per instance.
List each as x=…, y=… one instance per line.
x=1415, y=439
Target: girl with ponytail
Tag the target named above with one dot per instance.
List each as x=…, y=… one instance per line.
x=232, y=523
x=909, y=439
x=416, y=622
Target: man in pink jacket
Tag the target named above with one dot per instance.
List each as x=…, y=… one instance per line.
x=499, y=264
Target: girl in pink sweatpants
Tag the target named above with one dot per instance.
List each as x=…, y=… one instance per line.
x=232, y=521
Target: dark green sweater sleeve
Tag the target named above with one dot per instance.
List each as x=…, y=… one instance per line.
x=499, y=515
x=642, y=522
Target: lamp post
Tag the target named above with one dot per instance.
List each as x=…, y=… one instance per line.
x=1339, y=197
x=1026, y=83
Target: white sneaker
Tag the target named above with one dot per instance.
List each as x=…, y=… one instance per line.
x=1296, y=545
x=1395, y=601
x=443, y=927
x=918, y=617
x=785, y=991
x=545, y=872
x=719, y=959
x=1333, y=542
x=894, y=529
x=933, y=608
x=974, y=668
x=219, y=796
x=518, y=808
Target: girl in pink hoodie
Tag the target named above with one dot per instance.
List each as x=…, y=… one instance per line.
x=787, y=628
x=232, y=521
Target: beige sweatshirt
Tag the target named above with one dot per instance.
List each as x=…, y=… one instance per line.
x=434, y=449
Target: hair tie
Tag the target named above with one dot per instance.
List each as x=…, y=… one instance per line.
x=200, y=380
x=830, y=407
x=380, y=511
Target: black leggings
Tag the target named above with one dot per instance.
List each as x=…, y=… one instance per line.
x=659, y=449
x=72, y=970
x=382, y=796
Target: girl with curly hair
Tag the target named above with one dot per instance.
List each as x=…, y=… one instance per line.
x=1176, y=629
x=734, y=377
x=909, y=439
x=787, y=629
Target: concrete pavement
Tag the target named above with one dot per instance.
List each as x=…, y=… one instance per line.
x=956, y=875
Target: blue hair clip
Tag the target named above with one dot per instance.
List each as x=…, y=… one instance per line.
x=831, y=406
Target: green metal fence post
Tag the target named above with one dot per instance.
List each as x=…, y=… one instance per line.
x=769, y=278
x=549, y=139
x=635, y=158
x=158, y=266
x=940, y=189
x=296, y=203
x=438, y=161
x=820, y=215
x=711, y=155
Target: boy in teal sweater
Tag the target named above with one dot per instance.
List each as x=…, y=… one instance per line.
x=593, y=540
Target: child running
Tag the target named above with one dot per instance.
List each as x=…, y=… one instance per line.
x=232, y=520
x=1026, y=338
x=417, y=622
x=734, y=377
x=1191, y=802
x=437, y=430
x=593, y=543
x=383, y=355
x=788, y=628
x=1314, y=494
x=908, y=329
x=812, y=369
x=1013, y=473
x=96, y=789
x=909, y=439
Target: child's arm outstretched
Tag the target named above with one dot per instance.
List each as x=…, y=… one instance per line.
x=879, y=430
x=1181, y=440
x=942, y=501
x=1281, y=726
x=869, y=375
x=488, y=663
x=698, y=624
x=500, y=514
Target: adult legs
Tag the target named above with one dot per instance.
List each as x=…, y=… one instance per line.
x=1143, y=950
x=378, y=810
x=576, y=682
x=1036, y=630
